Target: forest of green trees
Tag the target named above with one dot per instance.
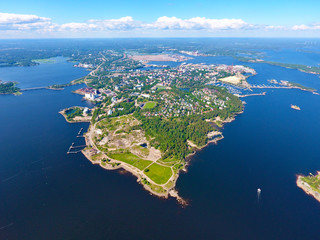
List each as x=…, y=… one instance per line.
x=171, y=135
x=8, y=88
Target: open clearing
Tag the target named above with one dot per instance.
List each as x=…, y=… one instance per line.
x=232, y=79
x=159, y=174
x=131, y=159
x=149, y=105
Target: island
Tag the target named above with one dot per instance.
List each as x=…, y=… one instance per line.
x=310, y=184
x=9, y=88
x=295, y=107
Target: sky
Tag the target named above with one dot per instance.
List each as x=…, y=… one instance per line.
x=165, y=18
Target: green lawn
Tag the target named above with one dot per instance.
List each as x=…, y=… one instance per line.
x=159, y=88
x=159, y=174
x=131, y=159
x=47, y=60
x=313, y=181
x=149, y=105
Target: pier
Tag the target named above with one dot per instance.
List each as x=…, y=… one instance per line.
x=72, y=147
x=249, y=95
x=74, y=152
x=78, y=146
x=34, y=88
x=270, y=86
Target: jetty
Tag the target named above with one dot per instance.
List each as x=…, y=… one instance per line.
x=249, y=95
x=74, y=147
x=70, y=148
x=34, y=88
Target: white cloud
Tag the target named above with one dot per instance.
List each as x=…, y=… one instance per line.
x=77, y=27
x=21, y=25
x=302, y=27
x=198, y=23
x=11, y=21
x=271, y=27
x=124, y=23
x=121, y=24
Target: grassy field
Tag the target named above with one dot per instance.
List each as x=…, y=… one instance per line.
x=149, y=105
x=131, y=159
x=159, y=174
x=47, y=60
x=313, y=181
x=159, y=88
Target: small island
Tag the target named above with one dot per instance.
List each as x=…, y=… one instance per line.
x=310, y=185
x=295, y=107
x=9, y=88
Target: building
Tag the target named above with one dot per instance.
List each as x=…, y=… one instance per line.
x=91, y=95
x=86, y=111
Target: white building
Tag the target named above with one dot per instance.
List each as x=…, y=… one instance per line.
x=91, y=95
x=86, y=111
x=145, y=95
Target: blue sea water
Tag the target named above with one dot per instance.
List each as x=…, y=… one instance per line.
x=47, y=194
x=42, y=75
x=293, y=56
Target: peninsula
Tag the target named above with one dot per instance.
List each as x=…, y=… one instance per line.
x=300, y=67
x=149, y=122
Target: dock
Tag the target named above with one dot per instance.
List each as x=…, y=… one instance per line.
x=72, y=147
x=249, y=95
x=34, y=88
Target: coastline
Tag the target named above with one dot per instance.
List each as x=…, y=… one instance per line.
x=214, y=141
x=171, y=191
x=116, y=165
x=62, y=112
x=164, y=190
x=307, y=188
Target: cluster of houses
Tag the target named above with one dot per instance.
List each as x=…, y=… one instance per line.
x=210, y=98
x=171, y=104
x=180, y=75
